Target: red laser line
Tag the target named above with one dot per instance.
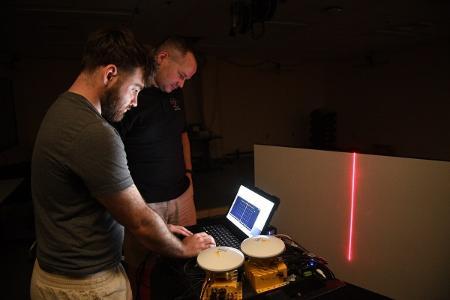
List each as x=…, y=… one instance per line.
x=350, y=235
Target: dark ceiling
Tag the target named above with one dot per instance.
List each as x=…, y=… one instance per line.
x=283, y=31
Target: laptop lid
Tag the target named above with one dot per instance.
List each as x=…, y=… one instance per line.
x=251, y=210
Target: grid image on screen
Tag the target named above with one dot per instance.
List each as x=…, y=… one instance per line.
x=244, y=212
x=250, y=211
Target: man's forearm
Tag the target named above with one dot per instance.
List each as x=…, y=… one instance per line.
x=129, y=209
x=186, y=151
x=154, y=234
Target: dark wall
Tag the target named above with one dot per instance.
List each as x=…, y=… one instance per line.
x=398, y=105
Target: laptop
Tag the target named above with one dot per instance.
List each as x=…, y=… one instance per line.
x=249, y=215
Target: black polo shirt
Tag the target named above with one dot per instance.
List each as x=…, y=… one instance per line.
x=151, y=133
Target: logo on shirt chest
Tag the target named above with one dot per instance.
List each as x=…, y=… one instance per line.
x=174, y=104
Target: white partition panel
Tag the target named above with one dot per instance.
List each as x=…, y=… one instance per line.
x=401, y=216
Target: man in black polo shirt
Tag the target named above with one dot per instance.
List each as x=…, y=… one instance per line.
x=157, y=144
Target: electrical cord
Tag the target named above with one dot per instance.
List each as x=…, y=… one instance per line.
x=289, y=241
x=302, y=261
x=189, y=270
x=175, y=270
x=195, y=275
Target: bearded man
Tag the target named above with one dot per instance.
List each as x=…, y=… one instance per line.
x=83, y=193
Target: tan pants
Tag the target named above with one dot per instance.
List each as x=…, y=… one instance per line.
x=112, y=284
x=178, y=211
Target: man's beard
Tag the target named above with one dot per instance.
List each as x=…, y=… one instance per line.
x=110, y=105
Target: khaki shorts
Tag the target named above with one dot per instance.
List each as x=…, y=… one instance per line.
x=112, y=284
x=178, y=211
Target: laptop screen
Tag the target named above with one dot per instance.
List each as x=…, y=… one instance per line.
x=250, y=211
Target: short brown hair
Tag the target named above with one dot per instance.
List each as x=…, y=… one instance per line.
x=175, y=43
x=116, y=46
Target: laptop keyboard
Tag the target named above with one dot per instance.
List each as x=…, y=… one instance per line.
x=222, y=236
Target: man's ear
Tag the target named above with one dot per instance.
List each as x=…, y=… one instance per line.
x=162, y=55
x=109, y=72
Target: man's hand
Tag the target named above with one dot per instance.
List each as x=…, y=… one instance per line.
x=177, y=229
x=197, y=242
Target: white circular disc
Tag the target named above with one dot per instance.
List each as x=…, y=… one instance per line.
x=262, y=246
x=220, y=259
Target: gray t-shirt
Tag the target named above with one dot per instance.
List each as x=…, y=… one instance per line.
x=77, y=157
